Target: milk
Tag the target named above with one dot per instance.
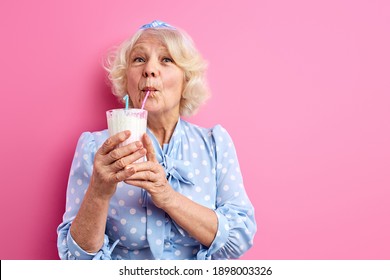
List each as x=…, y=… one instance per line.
x=134, y=120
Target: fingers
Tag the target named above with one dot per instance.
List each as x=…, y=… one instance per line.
x=125, y=161
x=150, y=154
x=147, y=172
x=147, y=180
x=147, y=166
x=113, y=141
x=121, y=152
x=111, y=154
x=122, y=175
x=144, y=176
x=111, y=161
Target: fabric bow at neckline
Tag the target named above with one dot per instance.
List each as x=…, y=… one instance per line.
x=178, y=169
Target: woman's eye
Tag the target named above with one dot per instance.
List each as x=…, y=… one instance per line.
x=167, y=59
x=138, y=59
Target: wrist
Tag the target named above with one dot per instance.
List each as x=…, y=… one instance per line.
x=172, y=202
x=100, y=190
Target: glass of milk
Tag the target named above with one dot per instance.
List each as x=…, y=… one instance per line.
x=131, y=119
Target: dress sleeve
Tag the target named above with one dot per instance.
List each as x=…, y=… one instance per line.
x=79, y=178
x=235, y=212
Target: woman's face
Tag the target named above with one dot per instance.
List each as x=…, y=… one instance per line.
x=151, y=68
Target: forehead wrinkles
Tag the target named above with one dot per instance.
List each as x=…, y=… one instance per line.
x=147, y=42
x=144, y=48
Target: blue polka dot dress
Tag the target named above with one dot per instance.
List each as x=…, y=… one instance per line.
x=202, y=165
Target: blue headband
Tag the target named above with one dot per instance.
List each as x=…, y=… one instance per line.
x=157, y=24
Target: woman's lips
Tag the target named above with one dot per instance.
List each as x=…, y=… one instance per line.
x=152, y=92
x=145, y=89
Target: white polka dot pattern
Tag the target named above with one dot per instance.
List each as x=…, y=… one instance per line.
x=215, y=182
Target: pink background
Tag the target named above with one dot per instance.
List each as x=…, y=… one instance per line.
x=302, y=86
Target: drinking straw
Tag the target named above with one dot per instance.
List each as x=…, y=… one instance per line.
x=126, y=98
x=146, y=97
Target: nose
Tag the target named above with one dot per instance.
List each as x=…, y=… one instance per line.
x=149, y=74
x=150, y=69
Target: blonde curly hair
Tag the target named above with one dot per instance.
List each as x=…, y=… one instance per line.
x=183, y=52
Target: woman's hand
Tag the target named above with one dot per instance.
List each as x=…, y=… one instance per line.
x=150, y=175
x=110, y=164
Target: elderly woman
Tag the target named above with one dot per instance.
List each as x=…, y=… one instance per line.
x=187, y=200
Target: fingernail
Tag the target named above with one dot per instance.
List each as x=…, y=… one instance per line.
x=125, y=134
x=138, y=144
x=131, y=169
